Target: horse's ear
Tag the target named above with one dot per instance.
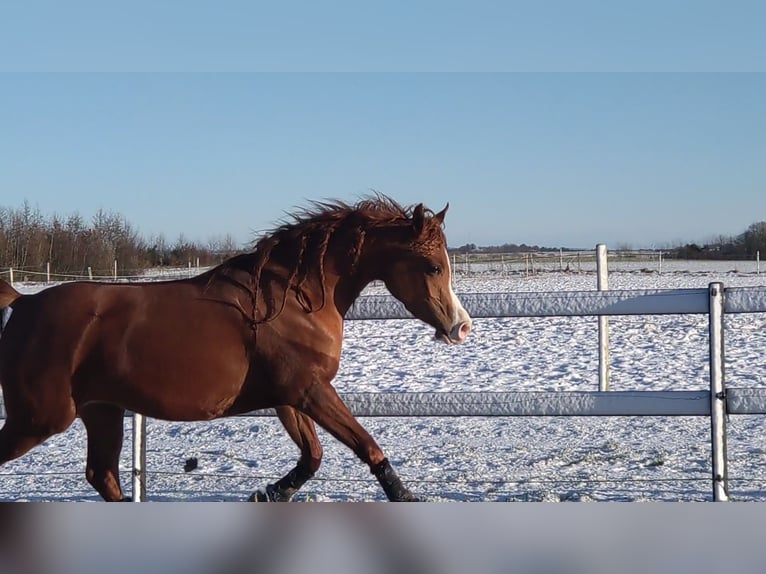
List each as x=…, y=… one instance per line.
x=440, y=216
x=419, y=218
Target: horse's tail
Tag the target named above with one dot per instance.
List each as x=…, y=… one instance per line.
x=7, y=294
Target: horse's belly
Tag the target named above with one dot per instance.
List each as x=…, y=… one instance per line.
x=181, y=377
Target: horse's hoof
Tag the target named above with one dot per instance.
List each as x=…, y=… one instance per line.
x=409, y=497
x=268, y=494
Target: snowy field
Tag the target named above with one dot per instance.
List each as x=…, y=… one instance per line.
x=479, y=459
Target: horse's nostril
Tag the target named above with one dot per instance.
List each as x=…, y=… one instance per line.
x=462, y=330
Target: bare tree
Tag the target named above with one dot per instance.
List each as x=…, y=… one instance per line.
x=754, y=238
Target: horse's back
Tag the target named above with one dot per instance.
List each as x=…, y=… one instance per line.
x=45, y=324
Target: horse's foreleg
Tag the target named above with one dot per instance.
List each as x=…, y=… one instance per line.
x=325, y=406
x=301, y=430
x=104, y=425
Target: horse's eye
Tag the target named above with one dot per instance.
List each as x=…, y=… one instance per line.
x=434, y=269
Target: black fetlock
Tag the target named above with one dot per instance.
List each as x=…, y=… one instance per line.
x=284, y=489
x=392, y=484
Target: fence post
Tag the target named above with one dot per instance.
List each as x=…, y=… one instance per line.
x=718, y=395
x=10, y=270
x=139, y=458
x=90, y=273
x=602, y=283
x=115, y=270
x=48, y=272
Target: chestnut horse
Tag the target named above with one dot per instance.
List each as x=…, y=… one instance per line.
x=263, y=329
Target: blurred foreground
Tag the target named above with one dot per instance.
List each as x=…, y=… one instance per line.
x=424, y=538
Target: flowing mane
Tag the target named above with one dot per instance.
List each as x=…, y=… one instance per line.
x=304, y=237
x=377, y=209
x=328, y=216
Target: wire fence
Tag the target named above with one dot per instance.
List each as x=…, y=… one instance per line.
x=541, y=262
x=237, y=487
x=466, y=264
x=46, y=275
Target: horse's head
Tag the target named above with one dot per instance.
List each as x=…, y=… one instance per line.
x=418, y=273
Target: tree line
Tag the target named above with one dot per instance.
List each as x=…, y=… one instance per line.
x=29, y=240
x=72, y=244
x=507, y=248
x=743, y=246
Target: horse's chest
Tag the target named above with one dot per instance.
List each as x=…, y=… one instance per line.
x=315, y=334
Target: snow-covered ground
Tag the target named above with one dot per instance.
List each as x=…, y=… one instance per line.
x=487, y=459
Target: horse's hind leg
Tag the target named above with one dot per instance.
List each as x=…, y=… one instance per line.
x=104, y=425
x=18, y=439
x=301, y=429
x=27, y=426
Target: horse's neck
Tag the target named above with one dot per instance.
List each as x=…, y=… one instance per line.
x=346, y=290
x=351, y=280
x=366, y=269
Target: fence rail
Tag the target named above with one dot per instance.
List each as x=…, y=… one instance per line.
x=534, y=404
x=577, y=303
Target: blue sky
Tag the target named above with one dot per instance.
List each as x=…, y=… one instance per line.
x=395, y=35
x=553, y=158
